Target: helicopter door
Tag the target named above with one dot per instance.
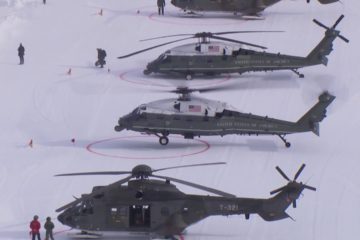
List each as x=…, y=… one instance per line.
x=118, y=216
x=139, y=216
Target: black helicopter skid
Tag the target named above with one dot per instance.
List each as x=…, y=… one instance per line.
x=298, y=73
x=282, y=137
x=85, y=235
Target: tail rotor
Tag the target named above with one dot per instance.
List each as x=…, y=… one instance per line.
x=333, y=27
x=292, y=183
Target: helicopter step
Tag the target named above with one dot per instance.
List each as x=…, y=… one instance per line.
x=298, y=73
x=287, y=144
x=85, y=235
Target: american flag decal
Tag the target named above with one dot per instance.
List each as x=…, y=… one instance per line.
x=214, y=48
x=194, y=108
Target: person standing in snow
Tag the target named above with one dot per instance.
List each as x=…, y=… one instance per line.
x=101, y=57
x=21, y=53
x=35, y=228
x=161, y=5
x=49, y=226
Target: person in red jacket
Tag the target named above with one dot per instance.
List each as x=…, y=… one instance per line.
x=35, y=228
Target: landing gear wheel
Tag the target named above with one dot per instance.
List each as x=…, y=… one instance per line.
x=298, y=73
x=188, y=76
x=146, y=72
x=163, y=140
x=287, y=144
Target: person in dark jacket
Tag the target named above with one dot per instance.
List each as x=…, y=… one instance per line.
x=35, y=228
x=161, y=5
x=21, y=53
x=49, y=226
x=101, y=57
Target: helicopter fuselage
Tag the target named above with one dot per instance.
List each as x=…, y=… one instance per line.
x=214, y=58
x=248, y=7
x=158, y=207
x=202, y=117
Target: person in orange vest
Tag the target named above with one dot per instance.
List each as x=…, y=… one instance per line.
x=35, y=228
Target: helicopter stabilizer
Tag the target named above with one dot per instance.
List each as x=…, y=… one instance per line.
x=316, y=114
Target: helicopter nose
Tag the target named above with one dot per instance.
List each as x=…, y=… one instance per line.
x=121, y=125
x=61, y=218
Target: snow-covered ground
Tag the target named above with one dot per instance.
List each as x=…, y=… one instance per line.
x=40, y=101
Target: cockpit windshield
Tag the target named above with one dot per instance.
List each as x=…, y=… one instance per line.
x=143, y=107
x=161, y=57
x=135, y=111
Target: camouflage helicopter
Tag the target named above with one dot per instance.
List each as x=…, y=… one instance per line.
x=158, y=208
x=192, y=116
x=212, y=58
x=245, y=7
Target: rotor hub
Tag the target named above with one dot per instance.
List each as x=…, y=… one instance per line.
x=142, y=171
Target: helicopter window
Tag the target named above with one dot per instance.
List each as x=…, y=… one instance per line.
x=166, y=59
x=198, y=48
x=139, y=216
x=177, y=106
x=87, y=207
x=161, y=57
x=135, y=111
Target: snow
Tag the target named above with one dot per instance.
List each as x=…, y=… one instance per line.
x=40, y=101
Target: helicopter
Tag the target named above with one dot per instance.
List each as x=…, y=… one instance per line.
x=159, y=208
x=249, y=8
x=214, y=58
x=192, y=116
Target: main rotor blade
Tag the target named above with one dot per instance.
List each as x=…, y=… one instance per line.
x=186, y=90
x=94, y=173
x=299, y=172
x=282, y=173
x=194, y=185
x=277, y=190
x=191, y=165
x=236, y=41
x=167, y=36
x=207, y=34
x=99, y=191
x=233, y=32
x=150, y=48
